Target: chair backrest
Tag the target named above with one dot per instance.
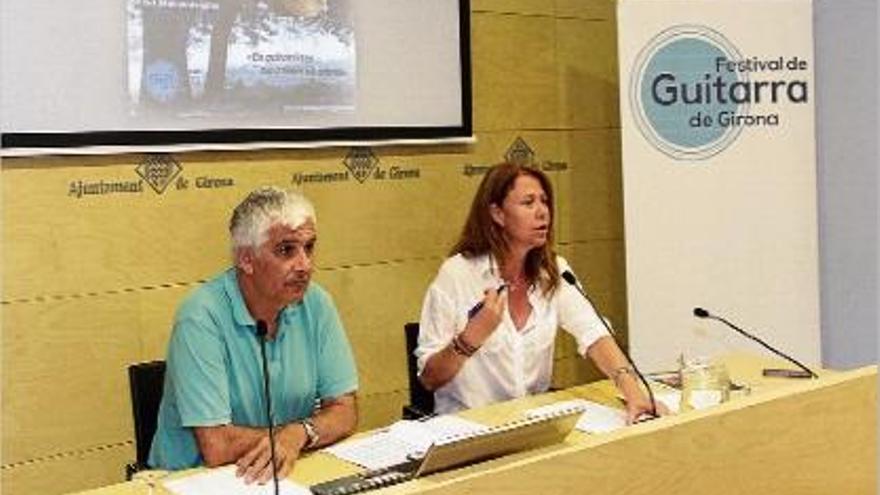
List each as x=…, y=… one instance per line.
x=146, y=381
x=421, y=400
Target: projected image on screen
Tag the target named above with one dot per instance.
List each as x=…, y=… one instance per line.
x=276, y=59
x=99, y=76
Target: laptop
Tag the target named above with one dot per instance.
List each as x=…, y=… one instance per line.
x=455, y=451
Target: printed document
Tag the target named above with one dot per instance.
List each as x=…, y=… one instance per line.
x=402, y=441
x=223, y=481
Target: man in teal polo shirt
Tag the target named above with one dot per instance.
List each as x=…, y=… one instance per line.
x=213, y=409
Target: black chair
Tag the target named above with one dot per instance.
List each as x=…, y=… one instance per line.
x=421, y=400
x=146, y=381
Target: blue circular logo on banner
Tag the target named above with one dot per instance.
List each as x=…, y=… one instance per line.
x=677, y=92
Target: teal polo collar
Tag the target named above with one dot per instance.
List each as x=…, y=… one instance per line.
x=242, y=316
x=240, y=312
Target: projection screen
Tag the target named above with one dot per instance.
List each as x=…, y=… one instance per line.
x=179, y=74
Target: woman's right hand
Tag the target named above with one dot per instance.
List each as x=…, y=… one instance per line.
x=442, y=367
x=484, y=323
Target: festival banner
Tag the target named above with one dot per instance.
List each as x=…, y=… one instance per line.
x=717, y=116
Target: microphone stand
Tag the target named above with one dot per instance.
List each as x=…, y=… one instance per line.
x=807, y=372
x=572, y=280
x=262, y=330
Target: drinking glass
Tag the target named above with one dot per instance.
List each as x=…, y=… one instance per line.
x=704, y=383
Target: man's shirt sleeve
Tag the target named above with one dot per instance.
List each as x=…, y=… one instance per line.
x=337, y=373
x=198, y=374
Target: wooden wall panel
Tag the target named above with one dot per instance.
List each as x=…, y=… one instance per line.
x=591, y=204
x=67, y=473
x=514, y=72
x=589, y=9
x=59, y=244
x=65, y=385
x=64, y=376
x=376, y=409
x=389, y=220
x=587, y=65
x=517, y=7
x=156, y=310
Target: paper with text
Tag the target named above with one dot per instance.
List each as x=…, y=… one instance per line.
x=596, y=418
x=223, y=481
x=402, y=441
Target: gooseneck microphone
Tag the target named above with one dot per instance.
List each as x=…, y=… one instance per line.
x=262, y=330
x=804, y=373
x=572, y=280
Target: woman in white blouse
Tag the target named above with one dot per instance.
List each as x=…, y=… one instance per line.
x=504, y=259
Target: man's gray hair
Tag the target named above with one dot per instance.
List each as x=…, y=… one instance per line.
x=263, y=208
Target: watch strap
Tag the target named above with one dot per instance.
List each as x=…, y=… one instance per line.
x=312, y=436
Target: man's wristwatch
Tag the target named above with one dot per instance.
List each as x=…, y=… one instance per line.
x=312, y=436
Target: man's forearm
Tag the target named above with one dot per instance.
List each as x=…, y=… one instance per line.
x=219, y=445
x=225, y=444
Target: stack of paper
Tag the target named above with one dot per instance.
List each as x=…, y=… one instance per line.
x=402, y=441
x=223, y=481
x=596, y=418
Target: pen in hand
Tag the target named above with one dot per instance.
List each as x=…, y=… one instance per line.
x=477, y=307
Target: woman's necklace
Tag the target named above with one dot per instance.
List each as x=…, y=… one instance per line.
x=517, y=284
x=518, y=302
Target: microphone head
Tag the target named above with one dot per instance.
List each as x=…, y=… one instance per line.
x=569, y=277
x=701, y=313
x=262, y=330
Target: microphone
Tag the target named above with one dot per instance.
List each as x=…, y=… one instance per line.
x=572, y=280
x=804, y=372
x=262, y=330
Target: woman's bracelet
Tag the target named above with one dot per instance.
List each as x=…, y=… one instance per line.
x=462, y=348
x=457, y=349
x=467, y=346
